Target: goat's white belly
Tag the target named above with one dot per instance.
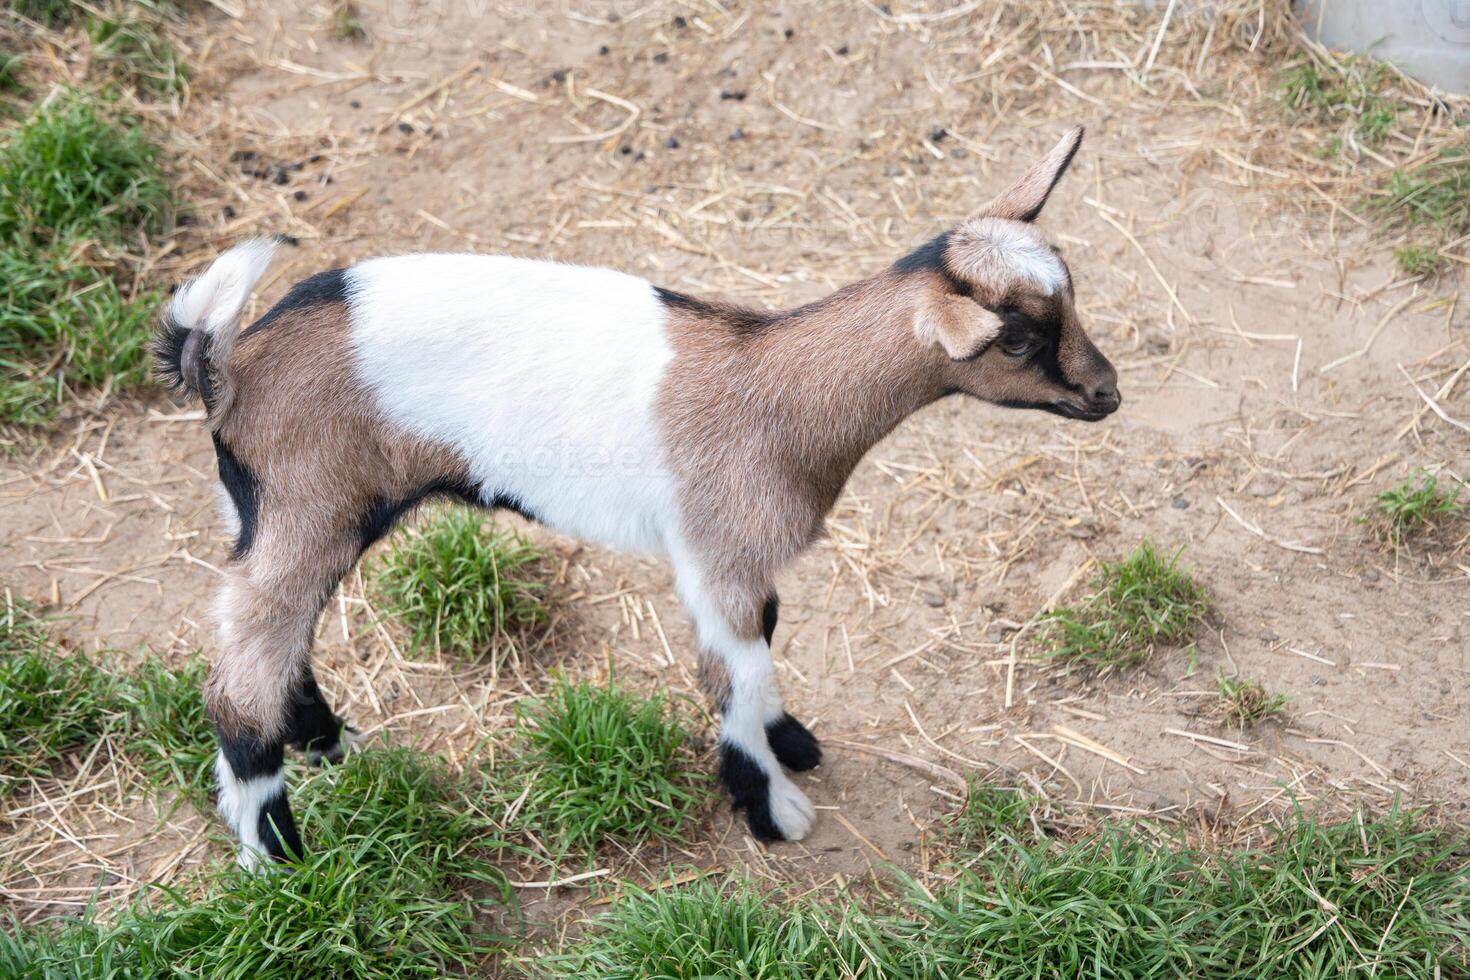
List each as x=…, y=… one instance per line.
x=542, y=376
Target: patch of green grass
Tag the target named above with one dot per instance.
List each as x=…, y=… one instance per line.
x=603, y=764
x=990, y=810
x=70, y=172
x=1414, y=506
x=458, y=587
x=169, y=736
x=52, y=13
x=51, y=703
x=76, y=186
x=1385, y=897
x=66, y=327
x=1349, y=90
x=132, y=51
x=391, y=892
x=347, y=22
x=12, y=73
x=1417, y=260
x=1114, y=905
x=1244, y=702
x=724, y=929
x=1136, y=604
x=1435, y=194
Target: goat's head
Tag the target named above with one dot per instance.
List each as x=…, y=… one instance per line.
x=997, y=300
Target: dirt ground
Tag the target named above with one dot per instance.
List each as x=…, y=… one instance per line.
x=766, y=153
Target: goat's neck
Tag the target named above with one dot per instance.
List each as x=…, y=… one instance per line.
x=841, y=373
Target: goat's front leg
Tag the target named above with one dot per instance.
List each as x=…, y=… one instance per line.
x=756, y=733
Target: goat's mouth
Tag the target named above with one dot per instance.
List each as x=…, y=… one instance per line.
x=1083, y=413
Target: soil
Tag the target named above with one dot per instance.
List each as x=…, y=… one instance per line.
x=768, y=169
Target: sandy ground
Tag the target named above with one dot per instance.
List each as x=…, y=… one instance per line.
x=773, y=152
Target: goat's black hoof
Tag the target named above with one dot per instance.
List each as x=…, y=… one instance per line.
x=775, y=810
x=322, y=753
x=750, y=790
x=796, y=748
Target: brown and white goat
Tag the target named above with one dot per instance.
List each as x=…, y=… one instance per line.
x=603, y=407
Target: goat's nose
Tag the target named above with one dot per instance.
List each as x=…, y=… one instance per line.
x=1107, y=395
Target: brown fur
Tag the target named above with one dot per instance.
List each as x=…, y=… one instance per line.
x=764, y=427
x=309, y=432
x=714, y=679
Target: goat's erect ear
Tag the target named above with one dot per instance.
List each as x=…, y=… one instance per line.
x=959, y=325
x=1024, y=199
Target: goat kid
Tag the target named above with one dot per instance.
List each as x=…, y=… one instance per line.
x=602, y=407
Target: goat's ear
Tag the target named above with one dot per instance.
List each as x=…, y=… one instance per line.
x=1024, y=199
x=961, y=326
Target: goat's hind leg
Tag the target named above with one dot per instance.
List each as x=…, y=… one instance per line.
x=263, y=668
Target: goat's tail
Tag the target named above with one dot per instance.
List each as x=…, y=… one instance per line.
x=202, y=321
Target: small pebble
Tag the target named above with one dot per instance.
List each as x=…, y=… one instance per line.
x=559, y=76
x=842, y=51
x=356, y=104
x=1369, y=575
x=671, y=143
x=739, y=134
x=790, y=33
x=938, y=134
x=661, y=57
x=299, y=195
x=936, y=601
x=625, y=149
x=227, y=211
x=680, y=23
x=604, y=49
x=281, y=177
x=404, y=127
x=738, y=95
x=184, y=220
x=1180, y=502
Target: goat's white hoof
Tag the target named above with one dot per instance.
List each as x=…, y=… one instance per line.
x=253, y=861
x=791, y=812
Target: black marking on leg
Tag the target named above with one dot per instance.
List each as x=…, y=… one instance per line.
x=750, y=790
x=315, y=729
x=769, y=615
x=277, y=829
x=244, y=490
x=249, y=758
x=796, y=748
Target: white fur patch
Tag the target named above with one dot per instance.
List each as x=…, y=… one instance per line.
x=993, y=247
x=241, y=802
x=543, y=376
x=229, y=514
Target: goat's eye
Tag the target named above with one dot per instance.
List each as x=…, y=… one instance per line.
x=1019, y=348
